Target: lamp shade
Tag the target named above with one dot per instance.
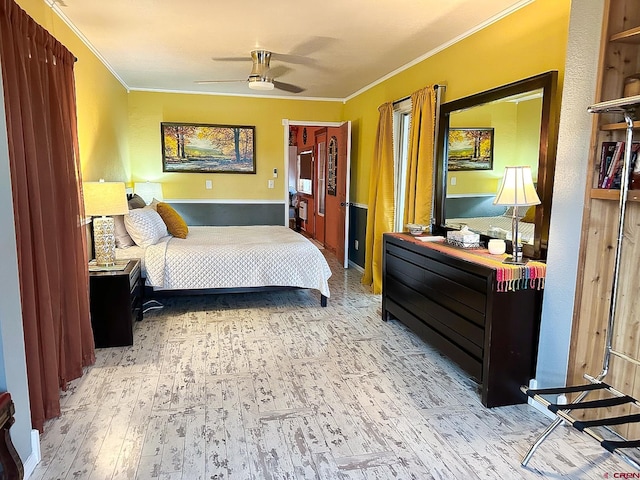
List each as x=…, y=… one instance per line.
x=148, y=191
x=517, y=188
x=105, y=198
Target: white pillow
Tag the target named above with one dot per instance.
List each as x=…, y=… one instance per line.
x=123, y=240
x=145, y=226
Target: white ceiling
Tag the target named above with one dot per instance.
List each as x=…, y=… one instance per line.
x=332, y=48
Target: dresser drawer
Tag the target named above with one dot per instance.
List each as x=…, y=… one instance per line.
x=459, y=299
x=459, y=330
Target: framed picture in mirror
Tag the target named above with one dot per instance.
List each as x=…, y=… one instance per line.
x=470, y=149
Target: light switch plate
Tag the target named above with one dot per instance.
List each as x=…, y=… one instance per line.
x=271, y=184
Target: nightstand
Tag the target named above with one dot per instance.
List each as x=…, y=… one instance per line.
x=115, y=300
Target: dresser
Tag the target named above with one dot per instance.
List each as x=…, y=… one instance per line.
x=453, y=301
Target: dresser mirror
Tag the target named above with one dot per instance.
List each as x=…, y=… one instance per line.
x=479, y=135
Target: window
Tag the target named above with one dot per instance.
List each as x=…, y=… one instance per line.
x=401, y=124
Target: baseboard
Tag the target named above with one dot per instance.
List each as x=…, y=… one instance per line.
x=34, y=458
x=356, y=266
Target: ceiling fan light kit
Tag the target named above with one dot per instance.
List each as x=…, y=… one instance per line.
x=257, y=83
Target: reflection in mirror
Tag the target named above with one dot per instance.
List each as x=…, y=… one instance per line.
x=476, y=162
x=479, y=136
x=305, y=172
x=321, y=178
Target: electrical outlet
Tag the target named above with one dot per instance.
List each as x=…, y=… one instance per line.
x=453, y=180
x=271, y=184
x=208, y=184
x=356, y=245
x=275, y=173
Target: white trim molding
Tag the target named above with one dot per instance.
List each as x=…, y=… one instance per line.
x=34, y=459
x=224, y=201
x=355, y=266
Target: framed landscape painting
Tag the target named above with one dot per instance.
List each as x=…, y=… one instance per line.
x=201, y=148
x=470, y=149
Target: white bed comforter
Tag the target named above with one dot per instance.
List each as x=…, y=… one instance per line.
x=498, y=227
x=233, y=257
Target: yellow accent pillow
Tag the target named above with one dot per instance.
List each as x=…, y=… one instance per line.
x=530, y=215
x=175, y=223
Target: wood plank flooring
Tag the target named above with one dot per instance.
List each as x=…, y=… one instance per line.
x=272, y=386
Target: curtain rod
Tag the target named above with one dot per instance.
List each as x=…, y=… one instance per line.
x=435, y=87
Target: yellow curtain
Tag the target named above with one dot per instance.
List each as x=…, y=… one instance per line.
x=381, y=199
x=419, y=192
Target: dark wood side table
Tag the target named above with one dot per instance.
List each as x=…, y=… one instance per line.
x=116, y=300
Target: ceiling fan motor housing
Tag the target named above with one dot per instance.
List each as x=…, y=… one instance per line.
x=261, y=59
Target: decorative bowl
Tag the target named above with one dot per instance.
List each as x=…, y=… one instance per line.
x=415, y=228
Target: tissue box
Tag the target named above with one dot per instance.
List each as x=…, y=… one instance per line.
x=463, y=238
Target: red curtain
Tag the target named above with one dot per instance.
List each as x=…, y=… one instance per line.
x=37, y=75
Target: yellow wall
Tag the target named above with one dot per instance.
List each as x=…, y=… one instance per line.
x=101, y=103
x=119, y=132
x=528, y=42
x=147, y=110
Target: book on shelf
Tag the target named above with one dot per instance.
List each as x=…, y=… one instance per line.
x=611, y=163
x=607, y=151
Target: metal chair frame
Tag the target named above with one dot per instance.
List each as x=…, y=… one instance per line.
x=626, y=106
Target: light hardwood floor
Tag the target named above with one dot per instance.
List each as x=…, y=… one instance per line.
x=272, y=386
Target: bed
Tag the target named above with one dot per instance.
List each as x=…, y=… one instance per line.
x=496, y=227
x=233, y=259
x=480, y=215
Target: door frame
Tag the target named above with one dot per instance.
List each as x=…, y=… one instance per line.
x=286, y=123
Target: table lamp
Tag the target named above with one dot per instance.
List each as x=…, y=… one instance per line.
x=102, y=199
x=148, y=191
x=516, y=190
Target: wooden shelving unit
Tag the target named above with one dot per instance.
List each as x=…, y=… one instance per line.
x=619, y=59
x=609, y=194
x=628, y=36
x=617, y=126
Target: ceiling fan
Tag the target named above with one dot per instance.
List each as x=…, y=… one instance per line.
x=261, y=76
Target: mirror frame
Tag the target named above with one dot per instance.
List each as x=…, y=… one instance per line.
x=546, y=161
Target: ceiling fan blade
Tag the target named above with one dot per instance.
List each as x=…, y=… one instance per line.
x=295, y=59
x=287, y=87
x=312, y=45
x=206, y=82
x=231, y=59
x=278, y=71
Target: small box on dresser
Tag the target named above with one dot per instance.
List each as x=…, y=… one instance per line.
x=115, y=302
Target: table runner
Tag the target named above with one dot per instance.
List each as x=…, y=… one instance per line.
x=509, y=277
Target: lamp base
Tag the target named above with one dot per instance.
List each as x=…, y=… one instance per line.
x=513, y=261
x=104, y=241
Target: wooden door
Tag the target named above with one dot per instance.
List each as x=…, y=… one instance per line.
x=337, y=199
